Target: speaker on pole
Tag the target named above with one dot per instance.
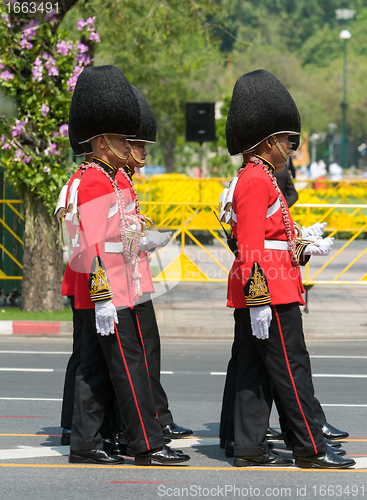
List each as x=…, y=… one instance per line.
x=200, y=122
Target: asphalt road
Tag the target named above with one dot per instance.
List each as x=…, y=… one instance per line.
x=35, y=466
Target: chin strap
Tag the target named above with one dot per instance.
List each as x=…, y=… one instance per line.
x=114, y=150
x=140, y=162
x=277, y=143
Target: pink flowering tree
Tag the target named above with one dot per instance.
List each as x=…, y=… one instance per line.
x=39, y=68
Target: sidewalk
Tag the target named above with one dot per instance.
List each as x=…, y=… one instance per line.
x=198, y=310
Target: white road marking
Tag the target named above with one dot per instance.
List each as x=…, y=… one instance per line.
x=337, y=357
x=35, y=352
x=166, y=373
x=63, y=451
x=29, y=399
x=37, y=370
x=40, y=451
x=337, y=375
x=324, y=375
x=347, y=406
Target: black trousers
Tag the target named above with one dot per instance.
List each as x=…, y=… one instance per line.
x=71, y=369
x=283, y=362
x=226, y=428
x=116, y=361
x=150, y=333
x=149, y=329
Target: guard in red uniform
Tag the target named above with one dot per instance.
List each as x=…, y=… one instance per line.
x=104, y=111
x=144, y=308
x=68, y=289
x=264, y=284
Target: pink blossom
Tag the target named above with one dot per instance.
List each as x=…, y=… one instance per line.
x=55, y=135
x=94, y=36
x=51, y=150
x=47, y=170
x=6, y=146
x=26, y=159
x=73, y=79
x=64, y=130
x=90, y=22
x=6, y=75
x=81, y=24
x=37, y=70
x=83, y=59
x=18, y=154
x=17, y=129
x=82, y=47
x=2, y=66
x=53, y=71
x=64, y=48
x=44, y=110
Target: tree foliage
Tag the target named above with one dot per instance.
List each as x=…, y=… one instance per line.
x=160, y=46
x=38, y=69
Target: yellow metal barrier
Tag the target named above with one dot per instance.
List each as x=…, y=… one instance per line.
x=211, y=263
x=200, y=262
x=10, y=204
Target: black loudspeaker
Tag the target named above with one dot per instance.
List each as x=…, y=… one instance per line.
x=200, y=121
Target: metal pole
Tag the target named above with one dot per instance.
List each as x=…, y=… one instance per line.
x=344, y=106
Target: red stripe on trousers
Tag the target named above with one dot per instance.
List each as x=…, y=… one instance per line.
x=292, y=380
x=145, y=356
x=132, y=389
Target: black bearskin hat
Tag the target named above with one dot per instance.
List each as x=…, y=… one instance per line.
x=261, y=106
x=147, y=130
x=79, y=149
x=103, y=103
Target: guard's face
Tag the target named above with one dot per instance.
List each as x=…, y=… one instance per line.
x=139, y=151
x=120, y=143
x=278, y=159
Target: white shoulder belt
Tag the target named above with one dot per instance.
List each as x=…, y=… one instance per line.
x=226, y=213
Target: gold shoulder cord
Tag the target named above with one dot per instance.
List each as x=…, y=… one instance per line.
x=114, y=150
x=277, y=143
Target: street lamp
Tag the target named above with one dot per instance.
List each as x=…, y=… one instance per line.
x=344, y=15
x=314, y=138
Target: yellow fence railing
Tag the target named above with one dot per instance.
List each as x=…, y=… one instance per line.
x=197, y=261
x=10, y=240
x=202, y=255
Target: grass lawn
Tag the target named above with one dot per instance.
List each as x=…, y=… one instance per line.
x=16, y=314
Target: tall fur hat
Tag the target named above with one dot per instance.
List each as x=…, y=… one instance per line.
x=79, y=149
x=261, y=106
x=147, y=131
x=103, y=103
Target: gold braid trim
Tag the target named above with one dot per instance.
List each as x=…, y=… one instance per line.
x=256, y=289
x=113, y=149
x=99, y=286
x=140, y=162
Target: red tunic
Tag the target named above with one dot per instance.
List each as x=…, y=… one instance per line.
x=68, y=282
x=253, y=195
x=144, y=269
x=99, y=226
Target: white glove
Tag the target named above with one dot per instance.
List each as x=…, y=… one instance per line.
x=322, y=246
x=260, y=321
x=314, y=231
x=154, y=239
x=106, y=316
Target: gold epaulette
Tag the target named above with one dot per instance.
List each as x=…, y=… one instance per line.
x=99, y=286
x=256, y=289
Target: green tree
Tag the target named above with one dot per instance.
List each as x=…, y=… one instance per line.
x=160, y=46
x=39, y=69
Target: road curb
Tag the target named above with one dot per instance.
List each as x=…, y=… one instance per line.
x=50, y=328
